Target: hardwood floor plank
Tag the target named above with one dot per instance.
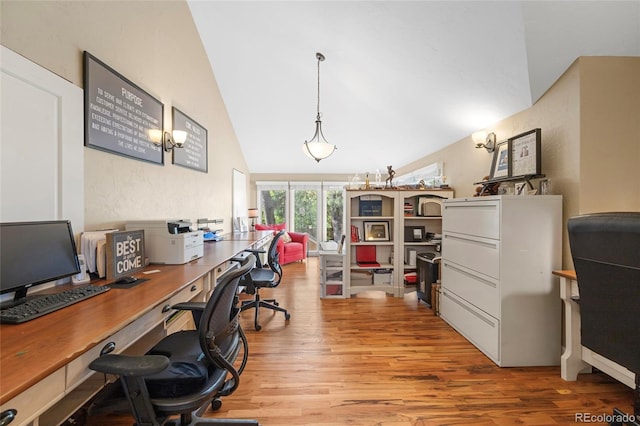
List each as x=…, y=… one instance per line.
x=379, y=360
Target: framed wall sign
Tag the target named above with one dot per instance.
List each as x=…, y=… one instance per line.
x=525, y=153
x=125, y=253
x=118, y=114
x=376, y=231
x=194, y=152
x=500, y=163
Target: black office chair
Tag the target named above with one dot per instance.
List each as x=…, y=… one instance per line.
x=267, y=276
x=606, y=255
x=188, y=370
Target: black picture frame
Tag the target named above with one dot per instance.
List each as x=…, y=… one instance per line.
x=118, y=114
x=194, y=152
x=525, y=157
x=376, y=230
x=501, y=163
x=413, y=233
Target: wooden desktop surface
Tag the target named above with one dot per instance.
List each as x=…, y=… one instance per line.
x=568, y=273
x=31, y=351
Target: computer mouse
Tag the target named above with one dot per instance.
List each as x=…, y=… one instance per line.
x=127, y=280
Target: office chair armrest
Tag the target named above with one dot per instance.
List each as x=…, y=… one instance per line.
x=126, y=365
x=190, y=306
x=256, y=253
x=196, y=309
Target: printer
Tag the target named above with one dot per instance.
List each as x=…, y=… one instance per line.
x=171, y=242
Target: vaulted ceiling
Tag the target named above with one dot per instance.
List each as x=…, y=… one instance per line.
x=401, y=79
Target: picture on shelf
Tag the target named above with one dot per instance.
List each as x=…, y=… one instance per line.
x=376, y=231
x=525, y=153
x=500, y=163
x=413, y=233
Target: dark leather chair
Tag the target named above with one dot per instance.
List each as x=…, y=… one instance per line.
x=606, y=255
x=264, y=276
x=188, y=370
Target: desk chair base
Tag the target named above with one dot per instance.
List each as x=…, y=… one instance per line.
x=258, y=303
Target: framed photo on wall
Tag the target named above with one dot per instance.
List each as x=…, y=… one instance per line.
x=376, y=231
x=525, y=153
x=501, y=161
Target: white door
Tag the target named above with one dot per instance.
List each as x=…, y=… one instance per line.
x=41, y=144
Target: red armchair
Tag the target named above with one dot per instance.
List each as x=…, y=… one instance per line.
x=291, y=248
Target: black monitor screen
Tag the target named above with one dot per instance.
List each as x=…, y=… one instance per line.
x=34, y=253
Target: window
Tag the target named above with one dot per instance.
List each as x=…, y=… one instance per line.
x=316, y=208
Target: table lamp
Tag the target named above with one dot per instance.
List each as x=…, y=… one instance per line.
x=253, y=214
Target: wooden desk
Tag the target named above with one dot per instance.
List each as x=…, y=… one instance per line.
x=45, y=360
x=576, y=358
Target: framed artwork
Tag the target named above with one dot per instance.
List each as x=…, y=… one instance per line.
x=118, y=114
x=500, y=163
x=525, y=153
x=376, y=231
x=413, y=233
x=193, y=154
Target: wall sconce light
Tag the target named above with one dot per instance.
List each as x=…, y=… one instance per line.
x=484, y=140
x=176, y=138
x=253, y=214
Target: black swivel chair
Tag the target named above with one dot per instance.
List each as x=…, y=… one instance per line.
x=188, y=370
x=606, y=255
x=264, y=276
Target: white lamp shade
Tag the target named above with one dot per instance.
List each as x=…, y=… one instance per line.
x=179, y=137
x=318, y=150
x=155, y=135
x=479, y=137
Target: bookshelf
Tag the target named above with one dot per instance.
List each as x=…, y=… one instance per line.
x=377, y=221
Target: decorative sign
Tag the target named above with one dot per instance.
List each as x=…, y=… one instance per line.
x=125, y=253
x=525, y=153
x=194, y=152
x=118, y=114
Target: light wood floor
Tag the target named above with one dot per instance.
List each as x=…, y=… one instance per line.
x=377, y=360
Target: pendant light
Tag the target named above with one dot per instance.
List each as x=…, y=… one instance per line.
x=318, y=148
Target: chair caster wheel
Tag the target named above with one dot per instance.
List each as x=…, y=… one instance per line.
x=216, y=404
x=258, y=327
x=276, y=303
x=287, y=316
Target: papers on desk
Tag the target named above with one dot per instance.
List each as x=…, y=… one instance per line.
x=211, y=236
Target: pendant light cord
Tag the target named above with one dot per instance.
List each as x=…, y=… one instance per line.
x=320, y=57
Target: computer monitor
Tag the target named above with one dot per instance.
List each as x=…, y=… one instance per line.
x=33, y=253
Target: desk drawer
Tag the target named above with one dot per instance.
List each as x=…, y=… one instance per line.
x=78, y=369
x=37, y=399
x=475, y=325
x=479, y=254
x=480, y=218
x=482, y=291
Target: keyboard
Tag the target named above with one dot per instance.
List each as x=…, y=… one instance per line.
x=42, y=305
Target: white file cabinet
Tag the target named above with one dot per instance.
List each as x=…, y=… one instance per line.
x=497, y=284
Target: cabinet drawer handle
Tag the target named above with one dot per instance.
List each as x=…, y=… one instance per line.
x=474, y=277
x=194, y=288
x=470, y=241
x=471, y=311
x=166, y=308
x=7, y=416
x=108, y=348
